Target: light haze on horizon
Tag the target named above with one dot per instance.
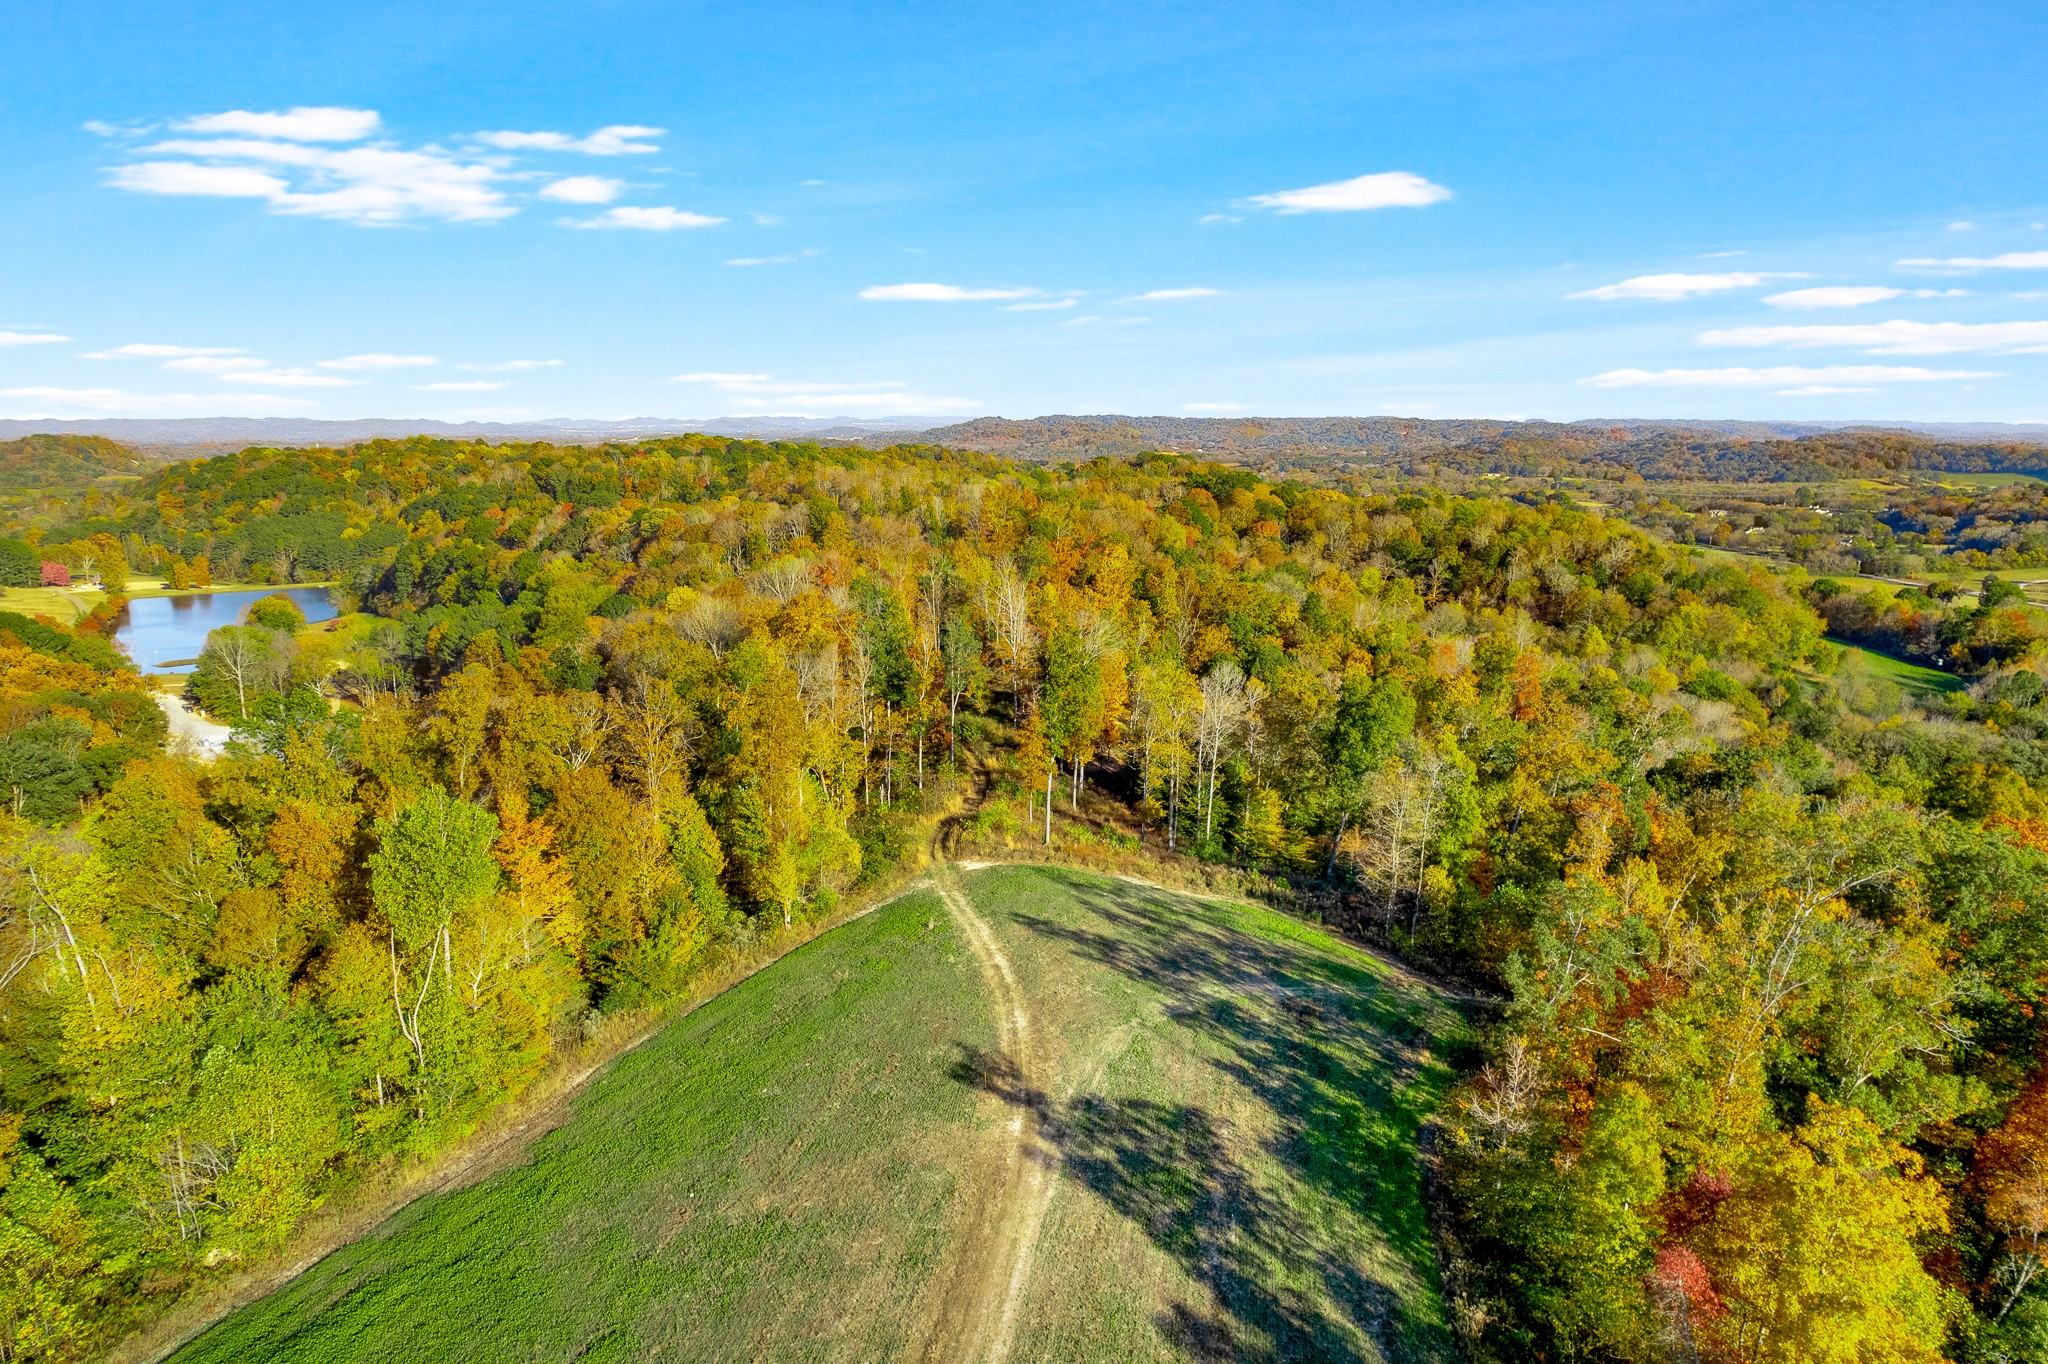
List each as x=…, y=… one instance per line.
x=517, y=212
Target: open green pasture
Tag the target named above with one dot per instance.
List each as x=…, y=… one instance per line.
x=1910, y=677
x=1223, y=1105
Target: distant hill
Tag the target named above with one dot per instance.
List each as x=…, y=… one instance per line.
x=62, y=455
x=45, y=463
x=1722, y=451
x=239, y=433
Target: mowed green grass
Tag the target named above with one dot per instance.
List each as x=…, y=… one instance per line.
x=58, y=603
x=1909, y=677
x=1232, y=1100
x=1236, y=1103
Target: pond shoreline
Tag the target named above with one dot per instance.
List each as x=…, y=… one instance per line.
x=164, y=633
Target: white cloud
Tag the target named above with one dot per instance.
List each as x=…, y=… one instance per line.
x=147, y=350
x=370, y=184
x=789, y=259
x=1851, y=296
x=938, y=293
x=1779, y=376
x=287, y=378
x=620, y=139
x=479, y=386
x=56, y=402
x=1962, y=226
x=304, y=124
x=663, y=219
x=1671, y=288
x=1388, y=189
x=584, y=189
x=30, y=338
x=2010, y=260
x=1213, y=407
x=1045, y=306
x=515, y=365
x=1162, y=295
x=1897, y=337
x=378, y=360
x=216, y=364
x=191, y=179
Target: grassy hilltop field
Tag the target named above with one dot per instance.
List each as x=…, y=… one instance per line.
x=1021, y=1113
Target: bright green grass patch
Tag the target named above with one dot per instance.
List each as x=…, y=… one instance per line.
x=1237, y=1103
x=1984, y=480
x=764, y=1180
x=1231, y=1100
x=60, y=604
x=1909, y=677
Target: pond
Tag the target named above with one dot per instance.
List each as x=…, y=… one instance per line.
x=165, y=634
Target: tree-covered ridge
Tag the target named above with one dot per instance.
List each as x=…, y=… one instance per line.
x=1748, y=452
x=1769, y=934
x=39, y=463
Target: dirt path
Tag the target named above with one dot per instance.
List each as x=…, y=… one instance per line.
x=188, y=726
x=977, y=1318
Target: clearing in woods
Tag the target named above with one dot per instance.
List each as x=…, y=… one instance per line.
x=1024, y=1114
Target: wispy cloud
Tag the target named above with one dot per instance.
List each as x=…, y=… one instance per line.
x=2010, y=260
x=1783, y=377
x=620, y=139
x=192, y=180
x=327, y=162
x=215, y=364
x=789, y=259
x=662, y=219
x=938, y=293
x=1046, y=305
x=379, y=361
x=1851, y=296
x=303, y=124
x=507, y=365
x=584, y=189
x=1387, y=189
x=43, y=403
x=1672, y=288
x=477, y=386
x=149, y=350
x=768, y=396
x=1165, y=295
x=286, y=378
x=1897, y=337
x=30, y=338
x=283, y=159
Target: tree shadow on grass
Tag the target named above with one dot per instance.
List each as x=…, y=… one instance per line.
x=1166, y=1167
x=1334, y=1051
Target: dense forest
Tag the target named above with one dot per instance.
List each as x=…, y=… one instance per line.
x=1618, y=451
x=1765, y=941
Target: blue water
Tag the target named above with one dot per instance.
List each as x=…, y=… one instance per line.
x=157, y=630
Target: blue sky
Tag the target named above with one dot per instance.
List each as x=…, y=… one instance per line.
x=509, y=211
